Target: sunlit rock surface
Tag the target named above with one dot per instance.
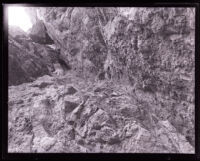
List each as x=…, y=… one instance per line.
x=114, y=80
x=38, y=33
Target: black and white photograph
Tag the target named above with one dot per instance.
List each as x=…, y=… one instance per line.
x=101, y=79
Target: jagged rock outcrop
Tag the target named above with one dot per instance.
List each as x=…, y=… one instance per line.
x=130, y=87
x=150, y=48
x=77, y=32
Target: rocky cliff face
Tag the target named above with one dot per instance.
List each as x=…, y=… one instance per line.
x=126, y=81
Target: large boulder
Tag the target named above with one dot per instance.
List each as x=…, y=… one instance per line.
x=39, y=34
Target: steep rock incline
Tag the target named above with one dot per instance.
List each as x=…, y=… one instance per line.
x=69, y=114
x=28, y=60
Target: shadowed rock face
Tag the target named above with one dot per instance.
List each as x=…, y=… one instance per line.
x=126, y=36
x=39, y=34
x=135, y=66
x=28, y=60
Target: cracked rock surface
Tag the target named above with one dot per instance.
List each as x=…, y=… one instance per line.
x=111, y=120
x=97, y=79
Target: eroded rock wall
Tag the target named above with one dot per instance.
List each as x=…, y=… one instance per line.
x=142, y=99
x=93, y=34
